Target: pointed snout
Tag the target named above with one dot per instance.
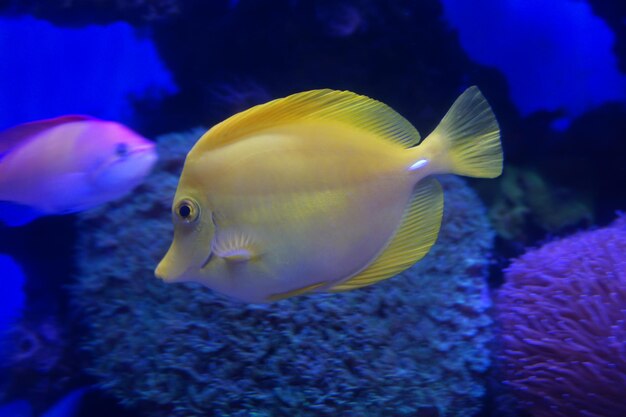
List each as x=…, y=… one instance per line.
x=173, y=267
x=167, y=271
x=159, y=272
x=186, y=255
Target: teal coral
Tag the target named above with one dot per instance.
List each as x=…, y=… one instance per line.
x=410, y=345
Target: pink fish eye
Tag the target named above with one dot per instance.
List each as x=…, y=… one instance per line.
x=121, y=149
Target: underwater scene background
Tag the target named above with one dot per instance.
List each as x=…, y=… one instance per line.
x=518, y=309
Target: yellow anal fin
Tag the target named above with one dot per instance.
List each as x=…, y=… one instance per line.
x=413, y=239
x=314, y=106
x=293, y=293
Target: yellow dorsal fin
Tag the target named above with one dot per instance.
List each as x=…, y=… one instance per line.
x=316, y=105
x=413, y=239
x=293, y=293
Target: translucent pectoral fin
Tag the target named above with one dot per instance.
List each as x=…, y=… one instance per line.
x=236, y=255
x=234, y=246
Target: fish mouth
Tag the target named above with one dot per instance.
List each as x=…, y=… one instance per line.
x=168, y=271
x=145, y=154
x=141, y=149
x=158, y=272
x=166, y=276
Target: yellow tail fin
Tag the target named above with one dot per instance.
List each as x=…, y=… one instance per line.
x=467, y=140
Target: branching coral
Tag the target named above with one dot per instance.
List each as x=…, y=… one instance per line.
x=412, y=345
x=564, y=325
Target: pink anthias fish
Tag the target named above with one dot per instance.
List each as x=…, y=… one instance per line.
x=68, y=164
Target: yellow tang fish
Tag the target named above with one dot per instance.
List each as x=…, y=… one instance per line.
x=320, y=191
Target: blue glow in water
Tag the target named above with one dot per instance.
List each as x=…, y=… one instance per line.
x=19, y=408
x=556, y=55
x=66, y=407
x=46, y=71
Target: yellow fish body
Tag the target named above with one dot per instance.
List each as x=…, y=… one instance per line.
x=319, y=191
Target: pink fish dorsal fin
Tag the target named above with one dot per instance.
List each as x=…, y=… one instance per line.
x=19, y=135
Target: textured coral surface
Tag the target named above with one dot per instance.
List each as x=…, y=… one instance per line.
x=563, y=324
x=414, y=345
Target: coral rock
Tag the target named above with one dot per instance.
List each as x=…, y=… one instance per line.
x=415, y=344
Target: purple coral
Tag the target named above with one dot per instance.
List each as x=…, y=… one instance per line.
x=562, y=312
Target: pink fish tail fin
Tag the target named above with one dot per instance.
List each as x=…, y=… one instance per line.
x=466, y=141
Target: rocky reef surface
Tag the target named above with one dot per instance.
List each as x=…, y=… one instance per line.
x=413, y=345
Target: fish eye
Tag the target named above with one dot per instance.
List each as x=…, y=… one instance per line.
x=187, y=210
x=121, y=149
